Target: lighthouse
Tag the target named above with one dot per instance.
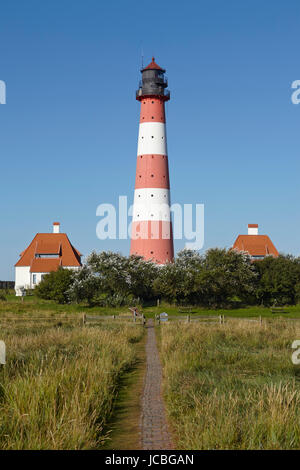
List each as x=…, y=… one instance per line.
x=152, y=236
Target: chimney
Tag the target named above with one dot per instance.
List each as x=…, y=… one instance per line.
x=56, y=227
x=252, y=229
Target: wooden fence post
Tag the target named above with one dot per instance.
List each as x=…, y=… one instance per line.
x=114, y=317
x=220, y=319
x=158, y=302
x=83, y=319
x=223, y=319
x=188, y=318
x=260, y=320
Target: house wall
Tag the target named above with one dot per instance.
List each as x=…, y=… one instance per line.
x=22, y=278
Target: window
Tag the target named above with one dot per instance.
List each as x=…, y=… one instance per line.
x=34, y=279
x=47, y=255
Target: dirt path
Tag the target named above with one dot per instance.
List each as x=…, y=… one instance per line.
x=124, y=426
x=154, y=428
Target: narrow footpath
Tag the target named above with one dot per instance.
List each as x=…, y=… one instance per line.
x=155, y=434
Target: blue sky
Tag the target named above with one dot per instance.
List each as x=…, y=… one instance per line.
x=68, y=133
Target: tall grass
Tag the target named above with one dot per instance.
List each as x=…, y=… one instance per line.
x=59, y=384
x=232, y=386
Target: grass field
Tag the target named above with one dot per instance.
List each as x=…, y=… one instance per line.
x=32, y=305
x=227, y=386
x=58, y=387
x=232, y=386
x=248, y=312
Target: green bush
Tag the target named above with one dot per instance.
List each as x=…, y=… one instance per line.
x=218, y=278
x=278, y=280
x=55, y=286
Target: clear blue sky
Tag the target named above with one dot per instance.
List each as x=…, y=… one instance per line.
x=68, y=133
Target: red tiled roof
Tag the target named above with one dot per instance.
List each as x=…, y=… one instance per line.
x=44, y=247
x=42, y=265
x=50, y=243
x=253, y=225
x=153, y=65
x=255, y=245
x=76, y=251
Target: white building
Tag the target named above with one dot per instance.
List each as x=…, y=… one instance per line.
x=46, y=253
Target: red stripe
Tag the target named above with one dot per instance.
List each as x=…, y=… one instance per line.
x=153, y=240
x=152, y=110
x=152, y=171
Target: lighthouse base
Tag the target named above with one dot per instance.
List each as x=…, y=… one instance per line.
x=153, y=240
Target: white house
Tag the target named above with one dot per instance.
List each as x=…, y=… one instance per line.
x=46, y=253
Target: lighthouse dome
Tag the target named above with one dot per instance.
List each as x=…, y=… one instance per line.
x=153, y=82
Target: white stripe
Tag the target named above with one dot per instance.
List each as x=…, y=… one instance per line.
x=152, y=139
x=151, y=204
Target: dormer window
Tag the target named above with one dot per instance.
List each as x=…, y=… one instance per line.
x=47, y=255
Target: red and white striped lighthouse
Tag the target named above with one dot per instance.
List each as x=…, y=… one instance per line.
x=152, y=235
